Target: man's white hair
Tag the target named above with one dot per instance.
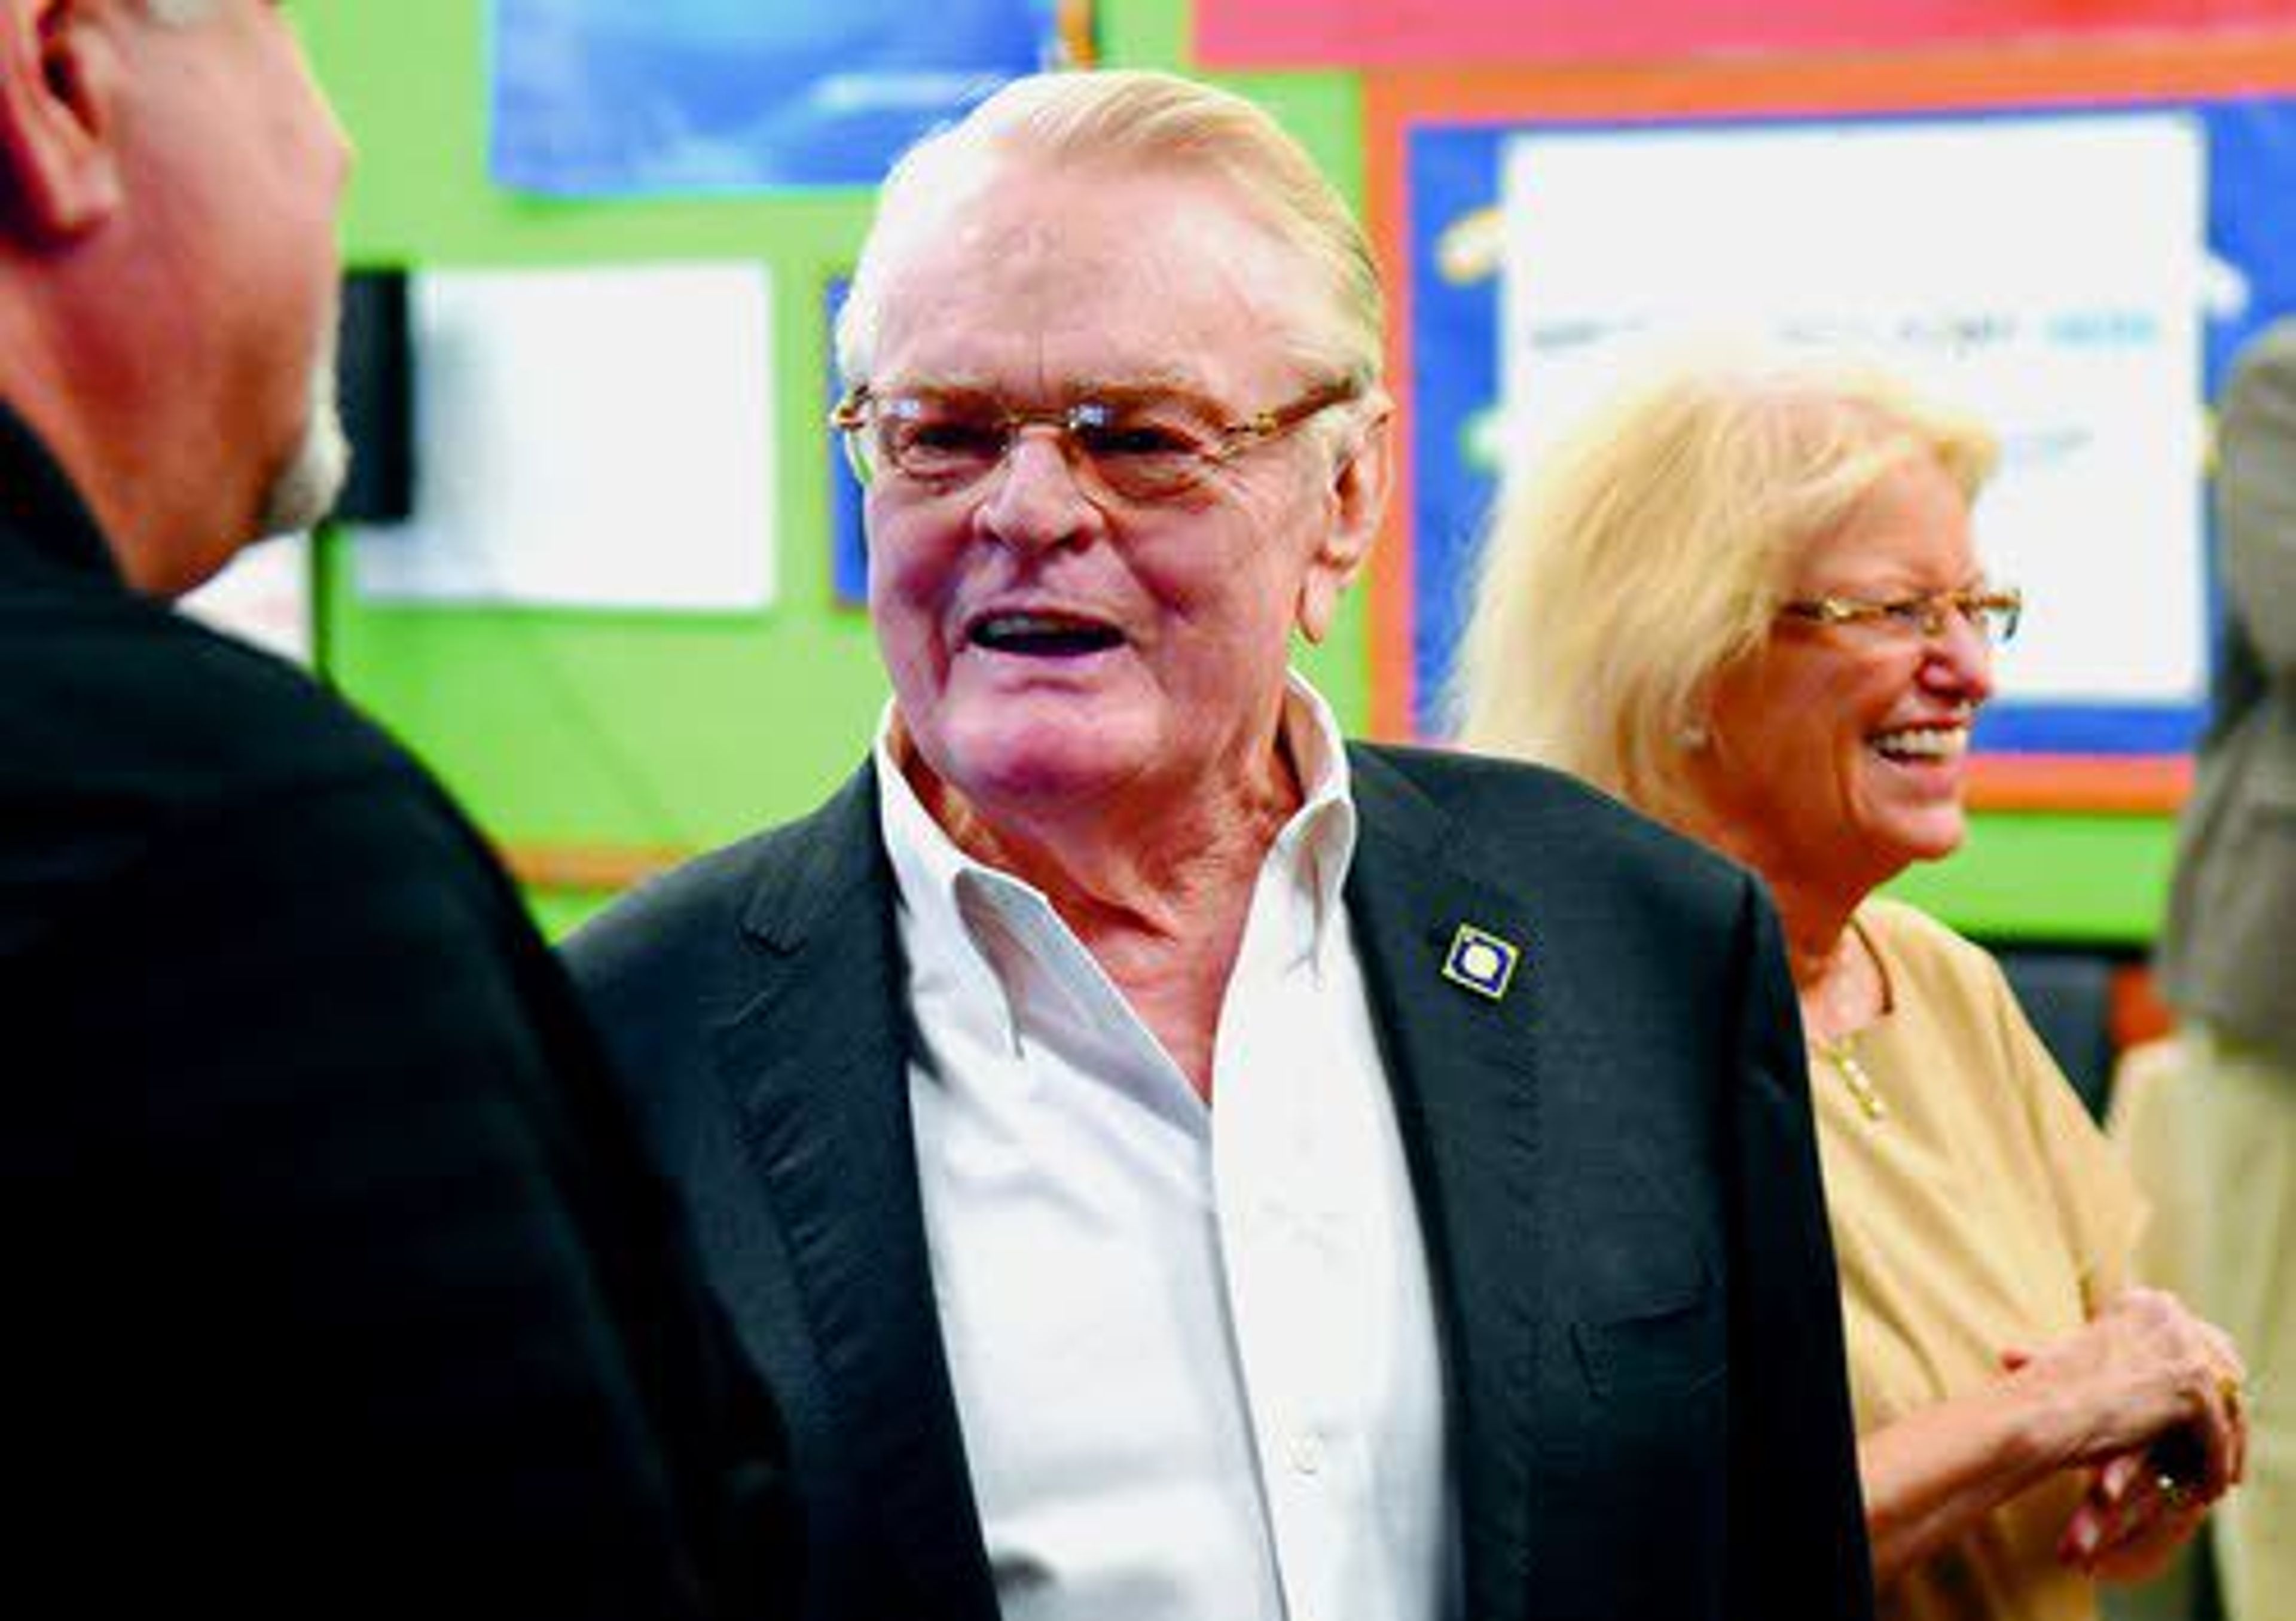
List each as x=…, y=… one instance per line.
x=1133, y=121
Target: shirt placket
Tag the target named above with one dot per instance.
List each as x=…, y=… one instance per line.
x=1288, y=1253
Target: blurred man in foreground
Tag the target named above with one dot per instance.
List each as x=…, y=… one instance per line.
x=335, y=1285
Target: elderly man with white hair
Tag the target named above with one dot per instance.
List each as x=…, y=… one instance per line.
x=1175, y=1163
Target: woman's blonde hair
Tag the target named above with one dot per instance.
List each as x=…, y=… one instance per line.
x=1651, y=551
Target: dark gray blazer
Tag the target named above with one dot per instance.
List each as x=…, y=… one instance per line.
x=1615, y=1166
x=2232, y=910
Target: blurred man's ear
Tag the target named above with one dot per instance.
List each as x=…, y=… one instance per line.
x=1358, y=502
x=59, y=73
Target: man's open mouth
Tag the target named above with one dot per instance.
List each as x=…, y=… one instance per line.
x=1043, y=635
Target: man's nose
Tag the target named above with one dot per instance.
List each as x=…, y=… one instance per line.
x=1036, y=495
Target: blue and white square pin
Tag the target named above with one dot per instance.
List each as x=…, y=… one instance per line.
x=1481, y=961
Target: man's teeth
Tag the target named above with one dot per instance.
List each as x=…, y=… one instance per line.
x=1924, y=742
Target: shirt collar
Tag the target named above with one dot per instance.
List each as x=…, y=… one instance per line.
x=944, y=890
x=1325, y=821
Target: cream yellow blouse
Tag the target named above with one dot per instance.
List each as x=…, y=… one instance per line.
x=1981, y=1210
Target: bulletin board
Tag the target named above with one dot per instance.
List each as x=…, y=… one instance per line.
x=1439, y=152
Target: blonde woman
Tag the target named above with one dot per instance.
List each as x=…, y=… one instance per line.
x=1748, y=600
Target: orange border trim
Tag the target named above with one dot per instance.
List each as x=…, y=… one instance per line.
x=598, y=868
x=2136, y=1012
x=1079, y=38
x=2127, y=70
x=2121, y=784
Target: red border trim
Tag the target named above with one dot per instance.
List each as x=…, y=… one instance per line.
x=1295, y=34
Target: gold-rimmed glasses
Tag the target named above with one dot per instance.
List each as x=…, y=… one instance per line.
x=1992, y=612
x=1138, y=445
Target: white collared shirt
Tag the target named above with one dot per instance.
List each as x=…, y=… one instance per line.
x=1194, y=1348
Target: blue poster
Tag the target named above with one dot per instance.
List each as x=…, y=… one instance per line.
x=1456, y=175
x=636, y=97
x=848, y=537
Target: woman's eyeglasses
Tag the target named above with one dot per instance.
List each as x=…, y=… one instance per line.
x=1992, y=613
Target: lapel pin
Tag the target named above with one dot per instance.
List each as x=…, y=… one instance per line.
x=1481, y=961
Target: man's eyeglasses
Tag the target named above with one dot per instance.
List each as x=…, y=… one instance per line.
x=1141, y=446
x=1993, y=614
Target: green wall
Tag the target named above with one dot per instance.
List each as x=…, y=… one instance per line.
x=653, y=731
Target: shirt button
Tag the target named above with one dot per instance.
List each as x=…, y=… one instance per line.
x=1304, y=1452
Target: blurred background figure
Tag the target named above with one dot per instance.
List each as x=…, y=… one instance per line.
x=337, y=1283
x=2226, y=965
x=1747, y=599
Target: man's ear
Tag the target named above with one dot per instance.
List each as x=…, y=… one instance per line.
x=59, y=77
x=1358, y=500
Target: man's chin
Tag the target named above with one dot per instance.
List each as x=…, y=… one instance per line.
x=304, y=489
x=1037, y=772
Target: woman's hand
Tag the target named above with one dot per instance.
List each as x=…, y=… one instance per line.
x=2146, y=1378
x=2120, y=1396
x=2130, y=1523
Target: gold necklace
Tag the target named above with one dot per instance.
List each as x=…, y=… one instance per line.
x=1845, y=1064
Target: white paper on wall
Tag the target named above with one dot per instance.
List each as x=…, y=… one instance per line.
x=597, y=437
x=2047, y=273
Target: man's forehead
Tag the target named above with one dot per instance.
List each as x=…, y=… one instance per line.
x=1065, y=364
x=1080, y=218
x=1059, y=225
x=1155, y=281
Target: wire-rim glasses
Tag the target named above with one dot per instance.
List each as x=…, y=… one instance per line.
x=1139, y=445
x=1993, y=612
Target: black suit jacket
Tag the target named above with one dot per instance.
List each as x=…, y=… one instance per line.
x=337, y=1283
x=1615, y=1168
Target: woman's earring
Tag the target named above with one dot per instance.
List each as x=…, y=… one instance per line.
x=1693, y=736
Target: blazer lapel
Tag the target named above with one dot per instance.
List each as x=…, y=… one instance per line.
x=1461, y=1062
x=817, y=1068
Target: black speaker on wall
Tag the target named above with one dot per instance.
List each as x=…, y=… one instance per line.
x=375, y=392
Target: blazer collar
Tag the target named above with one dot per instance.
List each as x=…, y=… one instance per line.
x=1462, y=1065
x=817, y=1066
x=42, y=510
